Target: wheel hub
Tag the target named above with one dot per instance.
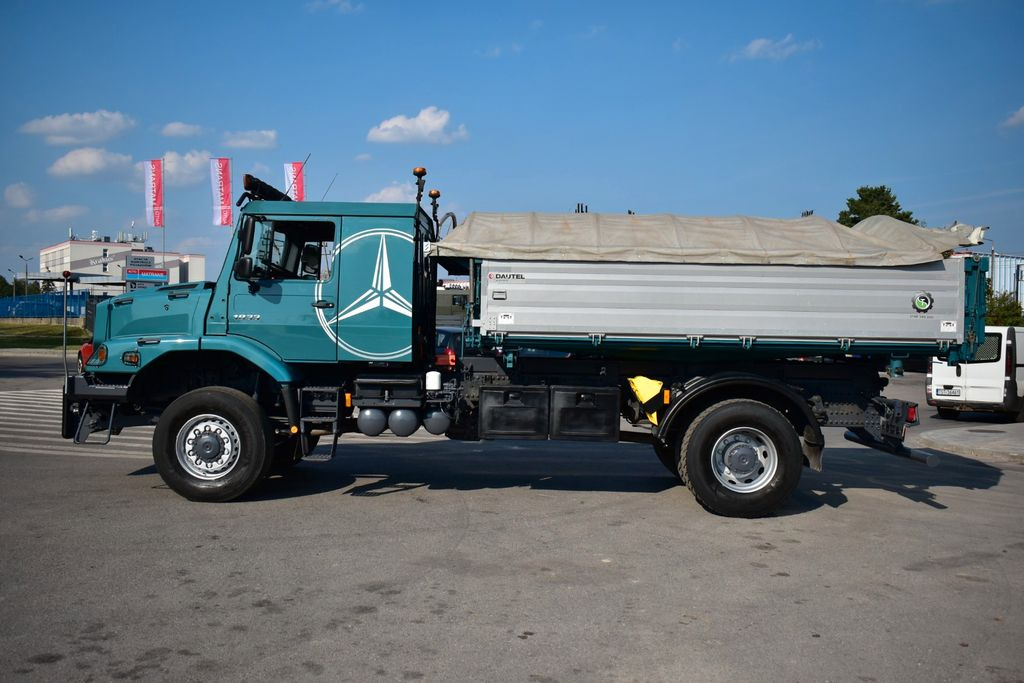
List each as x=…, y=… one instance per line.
x=741, y=459
x=208, y=447
x=744, y=459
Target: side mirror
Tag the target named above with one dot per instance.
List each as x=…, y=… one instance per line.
x=245, y=234
x=243, y=268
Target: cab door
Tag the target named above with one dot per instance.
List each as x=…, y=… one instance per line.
x=289, y=302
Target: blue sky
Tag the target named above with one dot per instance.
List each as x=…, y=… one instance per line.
x=691, y=108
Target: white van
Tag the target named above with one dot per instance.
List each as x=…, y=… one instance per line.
x=993, y=381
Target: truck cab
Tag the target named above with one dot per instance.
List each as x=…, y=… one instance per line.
x=992, y=382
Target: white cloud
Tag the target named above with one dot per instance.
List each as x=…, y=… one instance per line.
x=363, y=157
x=79, y=129
x=186, y=169
x=1016, y=119
x=177, y=129
x=90, y=161
x=56, y=215
x=427, y=126
x=251, y=139
x=341, y=6
x=18, y=195
x=766, y=48
x=395, y=192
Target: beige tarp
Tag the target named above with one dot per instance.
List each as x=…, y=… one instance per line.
x=664, y=238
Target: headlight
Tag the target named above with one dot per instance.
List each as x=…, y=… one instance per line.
x=100, y=355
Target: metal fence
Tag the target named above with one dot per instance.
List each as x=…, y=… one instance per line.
x=43, y=305
x=1007, y=274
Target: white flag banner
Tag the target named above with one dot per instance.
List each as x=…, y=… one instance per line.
x=155, y=192
x=295, y=180
x=220, y=181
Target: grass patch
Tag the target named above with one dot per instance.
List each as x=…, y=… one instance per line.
x=19, y=336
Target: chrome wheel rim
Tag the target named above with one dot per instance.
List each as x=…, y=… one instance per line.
x=744, y=460
x=207, y=447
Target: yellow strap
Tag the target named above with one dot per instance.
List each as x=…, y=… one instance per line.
x=645, y=389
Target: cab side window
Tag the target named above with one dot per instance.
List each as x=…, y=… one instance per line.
x=293, y=249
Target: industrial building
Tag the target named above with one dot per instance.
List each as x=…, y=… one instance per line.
x=105, y=266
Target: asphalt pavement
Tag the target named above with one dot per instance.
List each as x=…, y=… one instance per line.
x=428, y=559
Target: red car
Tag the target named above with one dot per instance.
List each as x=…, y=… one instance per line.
x=84, y=354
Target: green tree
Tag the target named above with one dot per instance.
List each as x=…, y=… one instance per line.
x=1003, y=308
x=870, y=201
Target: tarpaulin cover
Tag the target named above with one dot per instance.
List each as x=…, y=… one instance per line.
x=665, y=238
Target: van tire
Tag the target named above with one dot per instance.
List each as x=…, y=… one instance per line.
x=948, y=413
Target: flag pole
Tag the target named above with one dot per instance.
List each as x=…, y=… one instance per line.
x=163, y=231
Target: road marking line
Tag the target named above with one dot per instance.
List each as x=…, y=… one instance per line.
x=78, y=454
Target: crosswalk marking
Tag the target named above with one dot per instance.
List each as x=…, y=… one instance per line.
x=30, y=423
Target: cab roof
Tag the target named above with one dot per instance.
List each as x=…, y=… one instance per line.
x=400, y=210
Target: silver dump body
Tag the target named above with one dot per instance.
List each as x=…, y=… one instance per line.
x=741, y=303
x=550, y=279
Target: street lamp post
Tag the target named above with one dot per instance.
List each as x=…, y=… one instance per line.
x=14, y=284
x=26, y=260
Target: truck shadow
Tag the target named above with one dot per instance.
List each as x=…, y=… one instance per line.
x=849, y=469
x=380, y=470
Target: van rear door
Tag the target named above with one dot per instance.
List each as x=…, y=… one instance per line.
x=984, y=378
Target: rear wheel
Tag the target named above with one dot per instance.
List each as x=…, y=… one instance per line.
x=212, y=444
x=740, y=458
x=948, y=413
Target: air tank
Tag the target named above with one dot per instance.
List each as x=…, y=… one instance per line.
x=371, y=421
x=402, y=421
x=435, y=421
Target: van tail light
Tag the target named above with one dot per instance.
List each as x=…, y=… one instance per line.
x=1010, y=360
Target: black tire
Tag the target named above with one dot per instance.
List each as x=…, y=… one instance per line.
x=288, y=452
x=772, y=451
x=667, y=455
x=234, y=427
x=81, y=365
x=948, y=413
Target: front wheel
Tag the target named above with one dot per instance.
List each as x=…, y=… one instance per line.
x=212, y=444
x=740, y=458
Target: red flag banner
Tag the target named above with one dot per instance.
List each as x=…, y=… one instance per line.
x=295, y=180
x=220, y=180
x=155, y=192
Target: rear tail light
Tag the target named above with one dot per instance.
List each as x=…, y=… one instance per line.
x=912, y=414
x=446, y=359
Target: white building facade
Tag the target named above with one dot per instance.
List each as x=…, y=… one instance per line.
x=107, y=267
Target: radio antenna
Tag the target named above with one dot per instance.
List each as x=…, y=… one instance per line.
x=329, y=186
x=302, y=167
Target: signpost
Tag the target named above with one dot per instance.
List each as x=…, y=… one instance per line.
x=142, y=277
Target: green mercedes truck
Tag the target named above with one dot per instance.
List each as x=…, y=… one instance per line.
x=725, y=343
